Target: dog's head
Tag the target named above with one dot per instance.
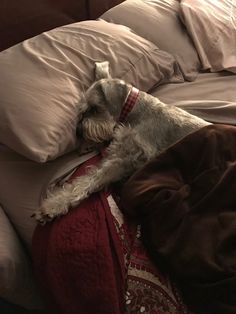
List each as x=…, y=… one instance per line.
x=100, y=108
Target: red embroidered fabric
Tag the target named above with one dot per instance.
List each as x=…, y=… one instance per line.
x=92, y=261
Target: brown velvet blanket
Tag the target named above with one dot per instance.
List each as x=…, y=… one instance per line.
x=185, y=201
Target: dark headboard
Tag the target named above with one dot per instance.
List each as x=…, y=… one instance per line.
x=22, y=19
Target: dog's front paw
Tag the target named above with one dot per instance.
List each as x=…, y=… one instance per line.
x=49, y=211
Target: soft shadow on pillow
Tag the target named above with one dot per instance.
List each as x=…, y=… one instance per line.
x=16, y=278
x=159, y=22
x=212, y=26
x=24, y=183
x=43, y=77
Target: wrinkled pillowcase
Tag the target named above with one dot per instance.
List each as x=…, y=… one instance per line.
x=16, y=278
x=159, y=22
x=43, y=77
x=212, y=26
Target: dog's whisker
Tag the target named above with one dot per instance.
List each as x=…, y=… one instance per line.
x=98, y=132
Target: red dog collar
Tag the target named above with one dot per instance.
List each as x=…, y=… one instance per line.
x=129, y=104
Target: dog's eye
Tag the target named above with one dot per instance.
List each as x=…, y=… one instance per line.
x=94, y=110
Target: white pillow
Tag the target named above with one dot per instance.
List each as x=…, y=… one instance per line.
x=42, y=79
x=16, y=279
x=158, y=21
x=212, y=26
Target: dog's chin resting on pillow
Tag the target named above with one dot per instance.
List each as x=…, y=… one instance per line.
x=138, y=127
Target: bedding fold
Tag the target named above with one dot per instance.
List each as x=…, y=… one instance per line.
x=185, y=202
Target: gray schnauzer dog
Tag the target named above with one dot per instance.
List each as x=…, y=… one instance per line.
x=138, y=127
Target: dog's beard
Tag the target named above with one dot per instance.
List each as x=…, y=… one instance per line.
x=98, y=131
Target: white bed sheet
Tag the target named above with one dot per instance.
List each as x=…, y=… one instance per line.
x=212, y=96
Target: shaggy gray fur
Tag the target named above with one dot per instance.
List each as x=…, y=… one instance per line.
x=150, y=128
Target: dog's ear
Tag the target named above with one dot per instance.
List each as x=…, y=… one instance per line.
x=102, y=70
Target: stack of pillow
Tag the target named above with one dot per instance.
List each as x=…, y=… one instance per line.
x=41, y=82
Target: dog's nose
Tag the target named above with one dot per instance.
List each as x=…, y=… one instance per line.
x=79, y=131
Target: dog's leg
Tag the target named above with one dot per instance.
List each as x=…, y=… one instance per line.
x=126, y=154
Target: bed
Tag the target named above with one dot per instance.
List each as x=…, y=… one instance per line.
x=93, y=260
